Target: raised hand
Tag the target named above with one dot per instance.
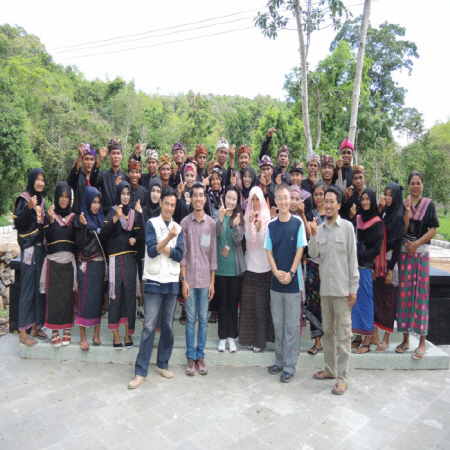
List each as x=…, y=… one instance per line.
x=233, y=178
x=382, y=202
x=237, y=220
x=313, y=226
x=262, y=181
x=118, y=213
x=232, y=151
x=271, y=131
x=102, y=154
x=313, y=178
x=211, y=164
x=132, y=241
x=174, y=170
x=32, y=202
x=206, y=182
x=352, y=211
x=173, y=232
x=138, y=149
x=138, y=207
x=349, y=191
x=251, y=216
x=80, y=151
x=407, y=203
x=258, y=225
x=82, y=219
x=51, y=213
x=180, y=188
x=339, y=163
x=301, y=207
x=222, y=211
x=278, y=179
x=118, y=180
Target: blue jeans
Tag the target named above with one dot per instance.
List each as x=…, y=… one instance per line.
x=152, y=303
x=198, y=301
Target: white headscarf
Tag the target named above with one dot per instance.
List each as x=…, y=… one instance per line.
x=263, y=215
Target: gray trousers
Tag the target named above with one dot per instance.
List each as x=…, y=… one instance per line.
x=286, y=312
x=336, y=315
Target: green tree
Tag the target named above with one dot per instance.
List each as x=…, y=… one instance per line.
x=15, y=157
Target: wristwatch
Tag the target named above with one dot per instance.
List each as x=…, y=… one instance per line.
x=292, y=274
x=182, y=278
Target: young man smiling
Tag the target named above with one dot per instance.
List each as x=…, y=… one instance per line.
x=285, y=240
x=198, y=269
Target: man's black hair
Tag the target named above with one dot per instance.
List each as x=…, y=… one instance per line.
x=335, y=190
x=168, y=192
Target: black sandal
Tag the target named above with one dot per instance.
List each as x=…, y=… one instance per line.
x=356, y=344
x=183, y=318
x=314, y=350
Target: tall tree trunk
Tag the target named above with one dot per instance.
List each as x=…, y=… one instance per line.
x=304, y=71
x=358, y=75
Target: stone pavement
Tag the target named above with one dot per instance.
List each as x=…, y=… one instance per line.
x=51, y=404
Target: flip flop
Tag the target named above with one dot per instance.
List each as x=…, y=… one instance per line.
x=355, y=344
x=40, y=336
x=417, y=354
x=314, y=350
x=401, y=349
x=336, y=387
x=361, y=346
x=29, y=341
x=96, y=342
x=382, y=347
x=323, y=376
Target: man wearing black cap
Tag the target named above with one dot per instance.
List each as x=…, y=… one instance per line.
x=107, y=180
x=87, y=176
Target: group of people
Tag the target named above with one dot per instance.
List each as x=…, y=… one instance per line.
x=261, y=253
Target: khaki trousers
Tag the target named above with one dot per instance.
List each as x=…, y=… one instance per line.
x=336, y=316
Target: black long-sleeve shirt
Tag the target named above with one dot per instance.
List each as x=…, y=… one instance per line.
x=78, y=181
x=106, y=181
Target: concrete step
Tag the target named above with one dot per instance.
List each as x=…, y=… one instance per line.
x=435, y=358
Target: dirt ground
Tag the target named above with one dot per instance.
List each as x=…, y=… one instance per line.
x=441, y=263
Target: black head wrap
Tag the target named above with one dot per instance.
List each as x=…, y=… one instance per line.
x=120, y=187
x=153, y=209
x=216, y=196
x=60, y=188
x=251, y=171
x=393, y=215
x=32, y=177
x=373, y=210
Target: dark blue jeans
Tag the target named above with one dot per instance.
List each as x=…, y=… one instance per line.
x=152, y=303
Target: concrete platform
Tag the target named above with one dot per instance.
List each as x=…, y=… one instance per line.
x=434, y=359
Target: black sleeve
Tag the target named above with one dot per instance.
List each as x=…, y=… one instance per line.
x=395, y=254
x=265, y=147
x=22, y=214
x=50, y=231
x=80, y=235
x=72, y=179
x=93, y=176
x=109, y=224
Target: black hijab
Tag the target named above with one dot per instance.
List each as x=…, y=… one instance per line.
x=246, y=191
x=373, y=210
x=32, y=176
x=216, y=196
x=393, y=215
x=120, y=187
x=60, y=188
x=153, y=209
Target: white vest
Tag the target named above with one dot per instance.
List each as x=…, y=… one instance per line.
x=162, y=268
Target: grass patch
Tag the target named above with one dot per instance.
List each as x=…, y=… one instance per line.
x=4, y=312
x=444, y=228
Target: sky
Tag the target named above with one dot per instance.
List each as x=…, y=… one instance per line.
x=226, y=55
